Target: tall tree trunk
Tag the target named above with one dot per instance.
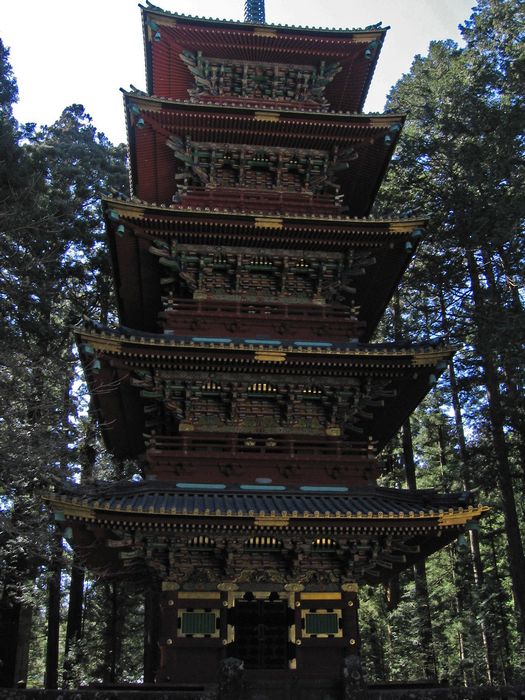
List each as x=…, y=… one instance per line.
x=420, y=573
x=497, y=426
x=473, y=534
x=113, y=634
x=459, y=608
x=459, y=593
x=74, y=617
x=505, y=655
x=377, y=652
x=25, y=622
x=11, y=622
x=515, y=405
x=76, y=586
x=151, y=627
x=15, y=614
x=53, y=614
x=464, y=456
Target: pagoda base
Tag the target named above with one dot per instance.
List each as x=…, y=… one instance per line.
x=271, y=689
x=231, y=636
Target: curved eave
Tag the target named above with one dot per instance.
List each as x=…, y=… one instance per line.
x=109, y=358
x=103, y=519
x=164, y=347
x=136, y=271
x=138, y=211
x=182, y=18
x=271, y=43
x=155, y=103
x=75, y=508
x=153, y=166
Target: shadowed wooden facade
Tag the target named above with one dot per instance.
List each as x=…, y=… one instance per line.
x=242, y=378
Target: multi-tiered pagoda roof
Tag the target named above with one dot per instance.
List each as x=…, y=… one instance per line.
x=242, y=379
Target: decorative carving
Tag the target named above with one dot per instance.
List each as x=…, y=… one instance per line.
x=235, y=275
x=182, y=150
x=228, y=469
x=209, y=164
x=350, y=587
x=266, y=575
x=336, y=471
x=259, y=407
x=170, y=586
x=288, y=469
x=293, y=587
x=232, y=555
x=320, y=576
x=203, y=575
x=256, y=80
x=227, y=586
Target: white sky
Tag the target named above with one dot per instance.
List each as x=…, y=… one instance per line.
x=67, y=51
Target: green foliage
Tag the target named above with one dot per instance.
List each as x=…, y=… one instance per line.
x=53, y=270
x=461, y=163
x=91, y=658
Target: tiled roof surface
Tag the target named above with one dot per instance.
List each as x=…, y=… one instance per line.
x=127, y=208
x=159, y=497
x=168, y=338
x=149, y=7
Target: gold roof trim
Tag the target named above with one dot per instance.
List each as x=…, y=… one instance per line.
x=368, y=118
x=271, y=521
x=265, y=31
x=137, y=209
x=461, y=516
x=417, y=356
x=69, y=508
x=268, y=222
x=166, y=21
x=270, y=356
x=105, y=344
x=452, y=518
x=267, y=116
x=430, y=357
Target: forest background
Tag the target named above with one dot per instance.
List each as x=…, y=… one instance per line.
x=460, y=616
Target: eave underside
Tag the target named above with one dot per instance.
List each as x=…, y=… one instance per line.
x=389, y=246
x=151, y=123
x=365, y=536
x=391, y=380
x=166, y=35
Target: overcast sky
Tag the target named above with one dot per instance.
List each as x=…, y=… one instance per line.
x=83, y=51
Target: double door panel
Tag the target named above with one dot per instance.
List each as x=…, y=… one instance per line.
x=261, y=634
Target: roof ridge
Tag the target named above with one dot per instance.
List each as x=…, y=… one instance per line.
x=154, y=9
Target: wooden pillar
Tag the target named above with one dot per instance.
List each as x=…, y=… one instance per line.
x=190, y=641
x=351, y=618
x=227, y=630
x=321, y=637
x=354, y=682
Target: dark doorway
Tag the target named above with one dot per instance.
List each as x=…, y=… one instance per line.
x=261, y=633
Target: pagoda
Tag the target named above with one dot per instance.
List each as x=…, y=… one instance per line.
x=250, y=279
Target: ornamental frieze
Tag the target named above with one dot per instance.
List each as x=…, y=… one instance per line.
x=247, y=274
x=249, y=166
x=259, y=407
x=257, y=80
